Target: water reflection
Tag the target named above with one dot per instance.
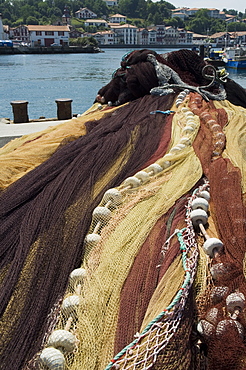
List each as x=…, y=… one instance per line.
x=238, y=75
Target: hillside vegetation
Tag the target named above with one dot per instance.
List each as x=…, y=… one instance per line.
x=142, y=13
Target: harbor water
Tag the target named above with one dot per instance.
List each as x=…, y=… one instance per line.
x=43, y=78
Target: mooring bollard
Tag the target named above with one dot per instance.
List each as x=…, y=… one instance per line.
x=19, y=108
x=64, y=108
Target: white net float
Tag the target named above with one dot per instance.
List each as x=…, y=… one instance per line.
x=52, y=358
x=211, y=246
x=226, y=325
x=218, y=293
x=70, y=304
x=189, y=115
x=101, y=214
x=182, y=94
x=180, y=145
x=155, y=168
x=188, y=130
x=192, y=123
x=62, y=339
x=132, y=181
x=198, y=216
x=143, y=176
x=218, y=271
x=235, y=300
x=204, y=194
x=178, y=102
x=77, y=275
x=200, y=203
x=91, y=240
x=113, y=195
x=205, y=328
x=165, y=164
x=167, y=157
x=175, y=149
x=212, y=315
x=185, y=140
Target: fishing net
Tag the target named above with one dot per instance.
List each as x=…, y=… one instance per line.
x=103, y=264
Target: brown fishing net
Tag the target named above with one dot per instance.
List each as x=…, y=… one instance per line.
x=98, y=279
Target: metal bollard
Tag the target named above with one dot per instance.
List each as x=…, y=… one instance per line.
x=64, y=108
x=19, y=108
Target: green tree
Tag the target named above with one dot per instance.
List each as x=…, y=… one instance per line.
x=32, y=20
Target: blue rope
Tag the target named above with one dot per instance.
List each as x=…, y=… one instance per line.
x=161, y=111
x=176, y=299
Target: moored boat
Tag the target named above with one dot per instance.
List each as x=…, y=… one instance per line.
x=235, y=57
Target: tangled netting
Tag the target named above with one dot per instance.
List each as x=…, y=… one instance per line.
x=104, y=263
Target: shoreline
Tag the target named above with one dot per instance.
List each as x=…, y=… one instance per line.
x=5, y=50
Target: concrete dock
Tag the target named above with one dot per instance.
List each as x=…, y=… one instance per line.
x=10, y=130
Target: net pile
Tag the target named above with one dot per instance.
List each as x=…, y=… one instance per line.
x=102, y=263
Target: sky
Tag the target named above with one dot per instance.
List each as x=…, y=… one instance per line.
x=239, y=5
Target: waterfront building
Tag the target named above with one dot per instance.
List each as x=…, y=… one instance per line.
x=124, y=34
x=20, y=33
x=104, y=37
x=171, y=36
x=40, y=35
x=222, y=38
x=199, y=39
x=4, y=30
x=185, y=37
x=146, y=36
x=85, y=13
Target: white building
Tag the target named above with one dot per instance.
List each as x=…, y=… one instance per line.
x=186, y=12
x=85, y=13
x=125, y=34
x=171, y=36
x=185, y=37
x=20, y=33
x=146, y=36
x=111, y=2
x=96, y=23
x=2, y=33
x=104, y=37
x=39, y=35
x=117, y=18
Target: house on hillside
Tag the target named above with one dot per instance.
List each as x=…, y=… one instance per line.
x=230, y=18
x=180, y=12
x=96, y=23
x=74, y=33
x=85, y=13
x=186, y=12
x=117, y=18
x=111, y=2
